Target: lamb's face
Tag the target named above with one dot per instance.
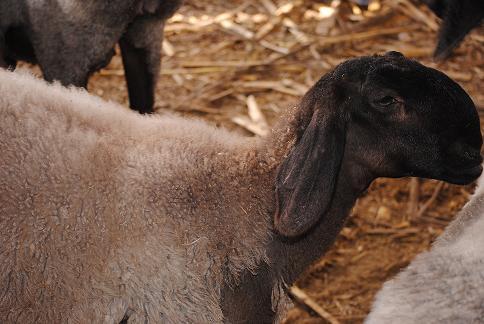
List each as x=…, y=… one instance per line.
x=380, y=116
x=414, y=120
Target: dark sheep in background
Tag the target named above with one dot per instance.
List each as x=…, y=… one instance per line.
x=459, y=17
x=71, y=39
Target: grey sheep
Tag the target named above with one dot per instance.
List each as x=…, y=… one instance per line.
x=445, y=284
x=71, y=39
x=193, y=224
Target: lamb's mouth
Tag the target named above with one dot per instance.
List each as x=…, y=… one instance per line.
x=463, y=176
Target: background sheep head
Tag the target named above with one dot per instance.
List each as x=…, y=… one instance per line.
x=385, y=116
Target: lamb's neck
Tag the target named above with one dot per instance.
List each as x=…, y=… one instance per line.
x=292, y=257
x=275, y=147
x=289, y=258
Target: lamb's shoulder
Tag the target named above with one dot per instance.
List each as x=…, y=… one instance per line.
x=158, y=279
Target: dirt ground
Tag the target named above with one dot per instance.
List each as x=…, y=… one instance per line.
x=221, y=56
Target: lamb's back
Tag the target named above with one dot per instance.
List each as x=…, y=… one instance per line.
x=85, y=207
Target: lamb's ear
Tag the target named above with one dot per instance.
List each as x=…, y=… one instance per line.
x=306, y=180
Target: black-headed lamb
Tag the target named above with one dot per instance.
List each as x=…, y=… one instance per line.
x=193, y=224
x=71, y=39
x=445, y=284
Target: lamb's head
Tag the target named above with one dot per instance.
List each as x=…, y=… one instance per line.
x=386, y=116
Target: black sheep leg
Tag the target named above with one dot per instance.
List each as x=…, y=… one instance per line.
x=140, y=49
x=459, y=18
x=4, y=61
x=138, y=77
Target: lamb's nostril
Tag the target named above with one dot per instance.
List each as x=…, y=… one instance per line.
x=472, y=159
x=473, y=155
x=463, y=155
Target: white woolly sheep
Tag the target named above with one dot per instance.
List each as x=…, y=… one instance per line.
x=193, y=224
x=70, y=39
x=445, y=284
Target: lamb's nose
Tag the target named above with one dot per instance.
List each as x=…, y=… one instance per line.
x=474, y=156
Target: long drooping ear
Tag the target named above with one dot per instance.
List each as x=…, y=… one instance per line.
x=306, y=180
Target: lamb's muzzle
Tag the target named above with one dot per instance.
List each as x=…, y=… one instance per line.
x=182, y=224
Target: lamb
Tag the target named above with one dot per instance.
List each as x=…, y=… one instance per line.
x=71, y=39
x=193, y=224
x=445, y=284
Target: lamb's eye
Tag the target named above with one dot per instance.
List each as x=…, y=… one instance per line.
x=386, y=101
